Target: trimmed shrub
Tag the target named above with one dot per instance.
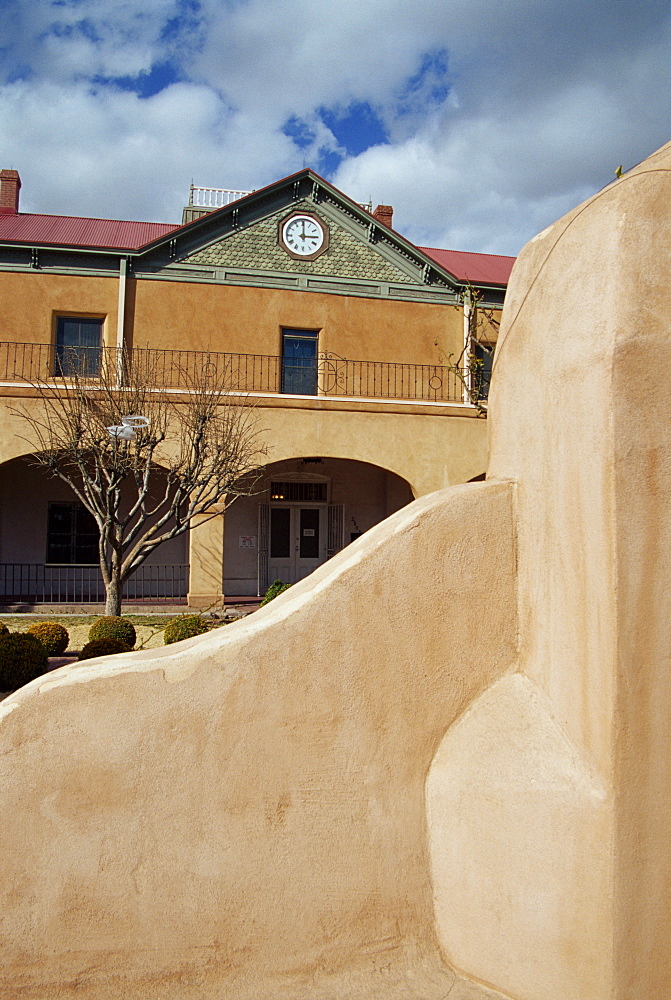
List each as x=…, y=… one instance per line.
x=275, y=588
x=53, y=636
x=113, y=627
x=22, y=658
x=184, y=627
x=3, y=629
x=103, y=647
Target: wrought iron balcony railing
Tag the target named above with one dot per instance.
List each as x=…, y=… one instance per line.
x=35, y=583
x=326, y=375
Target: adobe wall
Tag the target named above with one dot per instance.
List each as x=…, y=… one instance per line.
x=431, y=447
x=559, y=776
x=243, y=814
x=453, y=735
x=248, y=320
x=202, y=316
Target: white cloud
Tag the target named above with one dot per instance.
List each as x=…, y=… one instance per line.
x=500, y=116
x=115, y=155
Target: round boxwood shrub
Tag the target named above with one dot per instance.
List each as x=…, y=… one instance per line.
x=103, y=647
x=184, y=627
x=275, y=588
x=22, y=658
x=53, y=636
x=113, y=627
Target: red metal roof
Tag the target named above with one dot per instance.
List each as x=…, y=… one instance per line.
x=114, y=234
x=491, y=269
x=71, y=231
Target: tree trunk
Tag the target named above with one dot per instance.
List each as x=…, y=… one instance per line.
x=113, y=602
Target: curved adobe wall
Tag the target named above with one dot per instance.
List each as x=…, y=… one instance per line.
x=560, y=776
x=243, y=813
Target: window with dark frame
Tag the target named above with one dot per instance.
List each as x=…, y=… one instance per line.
x=72, y=535
x=481, y=375
x=299, y=362
x=78, y=345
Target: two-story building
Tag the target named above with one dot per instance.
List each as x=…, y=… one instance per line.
x=343, y=332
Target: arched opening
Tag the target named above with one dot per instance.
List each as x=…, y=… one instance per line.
x=48, y=546
x=306, y=509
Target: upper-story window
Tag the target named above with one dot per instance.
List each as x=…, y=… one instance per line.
x=78, y=345
x=299, y=362
x=481, y=373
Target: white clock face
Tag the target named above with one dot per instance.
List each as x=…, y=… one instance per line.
x=303, y=235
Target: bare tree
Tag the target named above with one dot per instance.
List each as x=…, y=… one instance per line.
x=142, y=459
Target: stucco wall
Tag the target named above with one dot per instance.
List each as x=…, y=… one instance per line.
x=180, y=315
x=248, y=320
x=30, y=301
x=567, y=770
x=244, y=812
x=431, y=447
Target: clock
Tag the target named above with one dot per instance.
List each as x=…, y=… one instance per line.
x=303, y=235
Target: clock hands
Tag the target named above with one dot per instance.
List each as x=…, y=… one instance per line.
x=303, y=235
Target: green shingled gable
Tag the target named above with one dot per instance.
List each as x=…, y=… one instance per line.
x=256, y=247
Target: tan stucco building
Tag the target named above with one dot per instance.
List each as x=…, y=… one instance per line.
x=341, y=331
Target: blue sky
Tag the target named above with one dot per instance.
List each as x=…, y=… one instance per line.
x=480, y=121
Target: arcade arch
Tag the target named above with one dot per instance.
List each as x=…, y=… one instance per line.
x=306, y=509
x=48, y=545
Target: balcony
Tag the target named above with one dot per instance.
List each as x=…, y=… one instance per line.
x=213, y=198
x=327, y=375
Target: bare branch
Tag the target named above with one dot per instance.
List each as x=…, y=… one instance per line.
x=200, y=450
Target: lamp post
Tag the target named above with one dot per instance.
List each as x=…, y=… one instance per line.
x=127, y=429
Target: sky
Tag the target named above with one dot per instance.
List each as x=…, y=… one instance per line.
x=480, y=121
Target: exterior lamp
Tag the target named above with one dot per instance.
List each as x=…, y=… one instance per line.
x=126, y=430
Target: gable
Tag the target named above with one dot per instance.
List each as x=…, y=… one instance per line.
x=256, y=246
x=239, y=244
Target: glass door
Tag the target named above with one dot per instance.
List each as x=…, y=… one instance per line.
x=297, y=542
x=310, y=549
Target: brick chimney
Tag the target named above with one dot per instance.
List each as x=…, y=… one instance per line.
x=383, y=214
x=10, y=185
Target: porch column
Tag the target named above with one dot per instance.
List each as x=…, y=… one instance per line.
x=206, y=560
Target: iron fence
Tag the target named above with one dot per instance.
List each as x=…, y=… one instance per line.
x=327, y=375
x=36, y=583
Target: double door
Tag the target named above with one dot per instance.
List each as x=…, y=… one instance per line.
x=297, y=541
